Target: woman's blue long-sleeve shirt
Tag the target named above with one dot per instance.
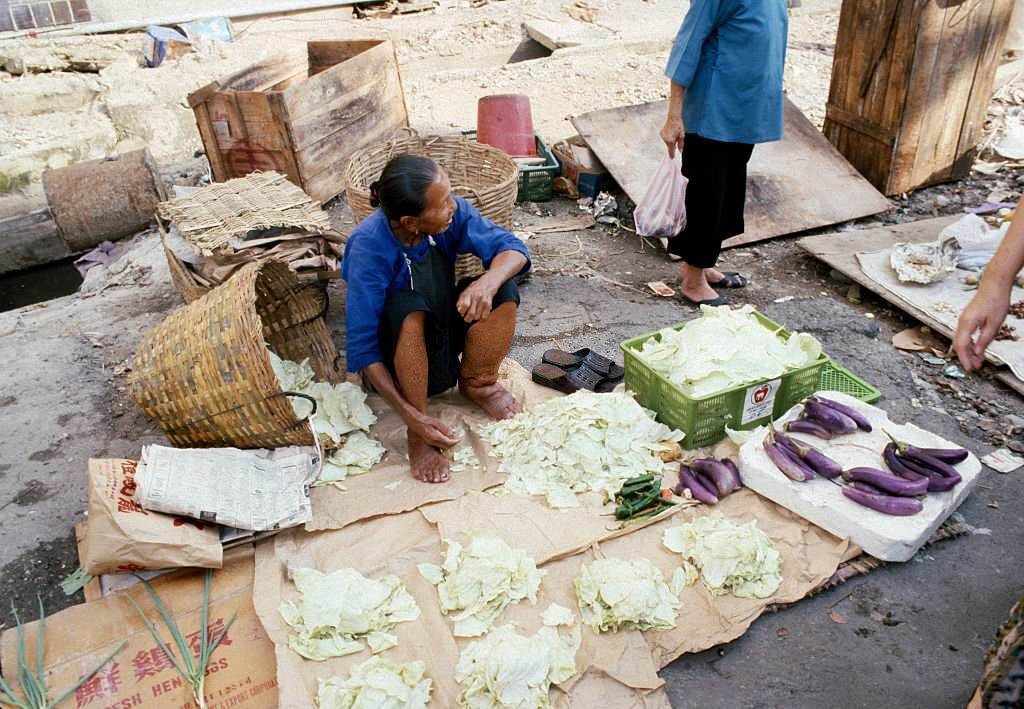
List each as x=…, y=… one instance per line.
x=730, y=54
x=374, y=266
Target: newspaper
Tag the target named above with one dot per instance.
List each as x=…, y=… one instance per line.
x=249, y=489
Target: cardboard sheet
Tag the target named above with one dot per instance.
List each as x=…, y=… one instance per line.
x=944, y=301
x=241, y=672
x=799, y=183
x=390, y=488
x=619, y=665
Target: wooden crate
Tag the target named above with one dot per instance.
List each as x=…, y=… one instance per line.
x=911, y=84
x=303, y=116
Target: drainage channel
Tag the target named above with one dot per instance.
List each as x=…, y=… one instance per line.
x=39, y=284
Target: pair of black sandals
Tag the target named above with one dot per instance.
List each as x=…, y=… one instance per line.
x=585, y=369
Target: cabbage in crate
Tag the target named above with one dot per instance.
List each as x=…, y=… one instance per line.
x=725, y=348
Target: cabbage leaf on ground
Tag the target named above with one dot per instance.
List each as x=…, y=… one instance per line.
x=377, y=683
x=504, y=669
x=584, y=441
x=730, y=557
x=630, y=594
x=725, y=348
x=476, y=583
x=340, y=408
x=338, y=611
x=357, y=455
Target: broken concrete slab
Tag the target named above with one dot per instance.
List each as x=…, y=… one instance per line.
x=564, y=33
x=798, y=183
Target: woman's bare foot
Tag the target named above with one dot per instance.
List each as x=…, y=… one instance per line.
x=713, y=275
x=694, y=283
x=494, y=399
x=429, y=465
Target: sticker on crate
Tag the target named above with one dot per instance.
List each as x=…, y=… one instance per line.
x=759, y=401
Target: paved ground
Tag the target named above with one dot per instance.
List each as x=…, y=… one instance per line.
x=914, y=634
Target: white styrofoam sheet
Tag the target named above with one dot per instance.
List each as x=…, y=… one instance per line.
x=821, y=502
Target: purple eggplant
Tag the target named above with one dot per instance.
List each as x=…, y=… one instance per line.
x=937, y=482
x=887, y=482
x=835, y=421
x=947, y=455
x=718, y=473
x=862, y=423
x=857, y=485
x=900, y=506
x=896, y=465
x=811, y=456
x=791, y=466
x=810, y=427
x=697, y=488
x=735, y=472
x=941, y=467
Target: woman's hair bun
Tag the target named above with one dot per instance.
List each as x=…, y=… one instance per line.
x=375, y=194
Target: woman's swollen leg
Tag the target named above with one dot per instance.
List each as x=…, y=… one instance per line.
x=487, y=344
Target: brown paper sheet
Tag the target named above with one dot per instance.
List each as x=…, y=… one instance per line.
x=367, y=496
x=809, y=557
x=619, y=665
x=241, y=672
x=123, y=537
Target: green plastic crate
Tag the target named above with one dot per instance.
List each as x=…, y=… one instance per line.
x=835, y=377
x=704, y=420
x=536, y=184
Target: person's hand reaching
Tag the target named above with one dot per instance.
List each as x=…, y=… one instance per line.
x=978, y=325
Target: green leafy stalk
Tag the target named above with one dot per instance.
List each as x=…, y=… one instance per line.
x=192, y=670
x=32, y=682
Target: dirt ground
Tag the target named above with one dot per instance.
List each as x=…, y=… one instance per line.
x=909, y=635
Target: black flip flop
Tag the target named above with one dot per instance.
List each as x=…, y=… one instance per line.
x=567, y=382
x=731, y=279
x=596, y=362
x=720, y=300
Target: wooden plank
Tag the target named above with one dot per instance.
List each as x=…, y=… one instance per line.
x=218, y=167
x=324, y=55
x=328, y=86
x=840, y=252
x=30, y=239
x=315, y=127
x=799, y=183
x=329, y=182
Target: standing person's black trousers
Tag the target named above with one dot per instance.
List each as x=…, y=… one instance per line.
x=715, y=198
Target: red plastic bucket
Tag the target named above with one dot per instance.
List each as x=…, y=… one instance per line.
x=505, y=121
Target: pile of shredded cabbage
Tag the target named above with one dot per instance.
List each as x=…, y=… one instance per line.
x=377, y=684
x=338, y=611
x=505, y=669
x=357, y=455
x=736, y=558
x=631, y=594
x=340, y=408
x=725, y=348
x=584, y=441
x=476, y=583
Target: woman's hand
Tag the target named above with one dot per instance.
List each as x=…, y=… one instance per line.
x=430, y=429
x=673, y=133
x=475, y=302
x=983, y=315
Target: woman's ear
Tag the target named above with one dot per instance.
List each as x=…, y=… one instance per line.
x=410, y=224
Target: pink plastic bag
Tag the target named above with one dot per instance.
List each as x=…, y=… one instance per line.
x=662, y=211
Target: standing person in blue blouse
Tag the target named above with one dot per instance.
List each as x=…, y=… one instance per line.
x=726, y=95
x=408, y=321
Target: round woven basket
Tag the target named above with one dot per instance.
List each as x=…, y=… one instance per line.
x=204, y=373
x=484, y=175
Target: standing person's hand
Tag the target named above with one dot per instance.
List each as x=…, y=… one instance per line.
x=673, y=133
x=983, y=316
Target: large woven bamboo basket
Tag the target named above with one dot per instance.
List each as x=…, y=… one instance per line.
x=204, y=374
x=484, y=175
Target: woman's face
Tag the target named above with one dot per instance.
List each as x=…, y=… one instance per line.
x=437, y=215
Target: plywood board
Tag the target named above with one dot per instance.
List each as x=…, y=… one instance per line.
x=799, y=183
x=840, y=252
